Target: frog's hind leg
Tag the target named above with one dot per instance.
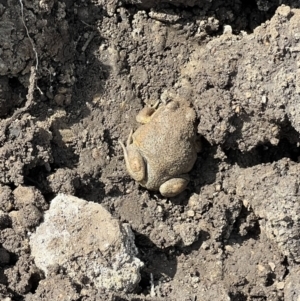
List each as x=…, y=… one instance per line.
x=146, y=114
x=174, y=186
x=134, y=161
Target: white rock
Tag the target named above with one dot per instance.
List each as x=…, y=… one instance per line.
x=227, y=29
x=85, y=240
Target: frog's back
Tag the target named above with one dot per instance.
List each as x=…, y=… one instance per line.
x=167, y=143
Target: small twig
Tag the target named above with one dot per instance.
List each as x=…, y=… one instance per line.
x=32, y=84
x=87, y=24
x=33, y=48
x=152, y=290
x=29, y=95
x=29, y=98
x=30, y=39
x=88, y=41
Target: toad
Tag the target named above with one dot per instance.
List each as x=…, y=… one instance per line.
x=161, y=152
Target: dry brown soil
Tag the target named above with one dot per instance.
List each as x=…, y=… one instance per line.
x=74, y=74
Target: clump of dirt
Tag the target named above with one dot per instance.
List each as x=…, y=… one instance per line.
x=73, y=76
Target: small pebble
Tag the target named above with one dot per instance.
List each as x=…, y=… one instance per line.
x=229, y=248
x=190, y=213
x=280, y=285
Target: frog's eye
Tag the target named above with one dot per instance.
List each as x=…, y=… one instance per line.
x=173, y=105
x=145, y=115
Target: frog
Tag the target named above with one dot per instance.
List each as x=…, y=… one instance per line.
x=163, y=149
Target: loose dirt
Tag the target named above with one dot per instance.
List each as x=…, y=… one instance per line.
x=73, y=76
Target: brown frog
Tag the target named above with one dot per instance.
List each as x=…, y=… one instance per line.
x=161, y=152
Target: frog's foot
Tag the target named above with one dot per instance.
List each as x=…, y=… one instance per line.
x=174, y=186
x=134, y=161
x=145, y=115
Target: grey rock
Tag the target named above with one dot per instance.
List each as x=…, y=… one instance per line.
x=85, y=240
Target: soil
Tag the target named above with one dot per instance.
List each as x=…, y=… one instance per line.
x=73, y=76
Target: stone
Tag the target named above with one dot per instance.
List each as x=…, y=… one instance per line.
x=92, y=247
